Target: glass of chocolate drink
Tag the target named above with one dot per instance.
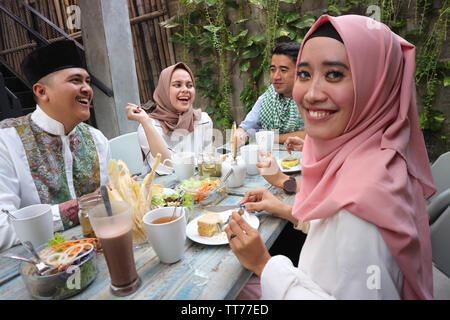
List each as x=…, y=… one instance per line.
x=115, y=234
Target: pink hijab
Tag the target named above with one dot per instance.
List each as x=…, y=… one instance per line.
x=378, y=169
x=167, y=115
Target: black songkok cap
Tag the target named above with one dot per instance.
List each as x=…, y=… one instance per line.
x=326, y=30
x=53, y=57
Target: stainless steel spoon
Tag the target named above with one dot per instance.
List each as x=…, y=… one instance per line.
x=20, y=259
x=9, y=214
x=225, y=178
x=42, y=267
x=34, y=263
x=180, y=197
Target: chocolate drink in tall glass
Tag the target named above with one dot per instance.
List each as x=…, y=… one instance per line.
x=118, y=250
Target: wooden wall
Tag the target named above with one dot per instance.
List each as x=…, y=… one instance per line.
x=152, y=47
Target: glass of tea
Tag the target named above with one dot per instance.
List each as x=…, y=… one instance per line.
x=116, y=238
x=209, y=165
x=85, y=203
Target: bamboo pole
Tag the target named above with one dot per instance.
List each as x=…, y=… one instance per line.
x=20, y=14
x=13, y=38
x=141, y=65
x=150, y=6
x=164, y=39
x=168, y=33
x=24, y=38
x=28, y=21
x=53, y=17
x=64, y=15
x=3, y=31
x=147, y=16
x=2, y=36
x=46, y=14
x=149, y=40
x=7, y=43
x=141, y=69
x=33, y=45
x=18, y=57
x=59, y=14
x=38, y=22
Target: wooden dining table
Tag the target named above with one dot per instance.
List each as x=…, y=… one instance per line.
x=206, y=272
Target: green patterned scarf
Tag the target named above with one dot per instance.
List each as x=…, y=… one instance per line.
x=44, y=153
x=279, y=113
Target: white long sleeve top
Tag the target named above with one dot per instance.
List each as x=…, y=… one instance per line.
x=343, y=257
x=196, y=141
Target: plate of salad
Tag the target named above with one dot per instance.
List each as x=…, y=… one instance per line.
x=204, y=190
x=166, y=197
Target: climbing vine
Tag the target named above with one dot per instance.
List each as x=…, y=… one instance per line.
x=430, y=70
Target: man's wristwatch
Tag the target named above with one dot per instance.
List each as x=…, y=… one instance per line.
x=290, y=185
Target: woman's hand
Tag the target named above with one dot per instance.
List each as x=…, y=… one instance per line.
x=268, y=167
x=294, y=143
x=262, y=199
x=135, y=113
x=247, y=244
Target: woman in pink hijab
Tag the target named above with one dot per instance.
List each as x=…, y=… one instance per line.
x=365, y=174
x=172, y=125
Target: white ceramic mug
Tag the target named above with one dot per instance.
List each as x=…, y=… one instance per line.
x=33, y=223
x=183, y=164
x=237, y=177
x=250, y=155
x=265, y=140
x=167, y=239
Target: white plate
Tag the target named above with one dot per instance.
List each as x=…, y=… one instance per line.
x=221, y=238
x=296, y=168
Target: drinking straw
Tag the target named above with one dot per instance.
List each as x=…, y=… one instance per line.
x=105, y=196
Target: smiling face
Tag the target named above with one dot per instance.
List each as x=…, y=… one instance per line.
x=282, y=74
x=323, y=90
x=182, y=91
x=66, y=96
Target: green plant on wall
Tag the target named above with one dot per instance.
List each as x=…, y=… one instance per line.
x=205, y=38
x=428, y=39
x=430, y=70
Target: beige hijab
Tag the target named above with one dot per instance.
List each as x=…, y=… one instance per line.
x=168, y=116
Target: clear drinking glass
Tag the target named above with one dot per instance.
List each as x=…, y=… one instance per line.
x=85, y=203
x=115, y=235
x=209, y=164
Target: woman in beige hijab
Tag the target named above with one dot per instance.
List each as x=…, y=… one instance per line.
x=173, y=125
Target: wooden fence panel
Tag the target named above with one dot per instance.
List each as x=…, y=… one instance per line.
x=153, y=50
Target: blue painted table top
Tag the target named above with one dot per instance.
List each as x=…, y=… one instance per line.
x=205, y=272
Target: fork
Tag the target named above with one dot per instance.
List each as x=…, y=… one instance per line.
x=181, y=196
x=220, y=225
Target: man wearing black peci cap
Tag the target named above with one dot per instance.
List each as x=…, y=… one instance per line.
x=51, y=156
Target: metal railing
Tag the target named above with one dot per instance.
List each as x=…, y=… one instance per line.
x=12, y=71
x=10, y=106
